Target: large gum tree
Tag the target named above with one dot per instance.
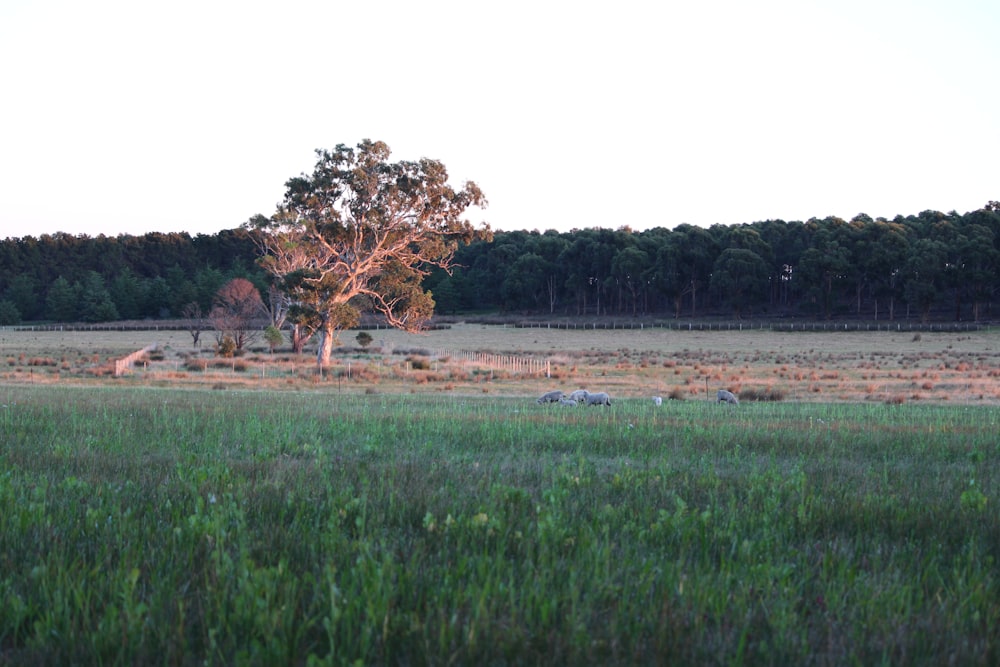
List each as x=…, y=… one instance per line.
x=359, y=234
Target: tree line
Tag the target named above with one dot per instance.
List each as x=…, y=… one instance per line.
x=929, y=266
x=66, y=278
x=942, y=266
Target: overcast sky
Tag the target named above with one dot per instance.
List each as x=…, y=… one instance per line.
x=131, y=117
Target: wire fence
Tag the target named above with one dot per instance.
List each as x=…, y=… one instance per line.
x=760, y=326
x=504, y=362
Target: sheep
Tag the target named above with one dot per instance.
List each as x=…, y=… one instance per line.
x=657, y=400
x=727, y=397
x=567, y=401
x=551, y=397
x=580, y=395
x=600, y=398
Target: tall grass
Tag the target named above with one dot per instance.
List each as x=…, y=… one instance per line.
x=178, y=527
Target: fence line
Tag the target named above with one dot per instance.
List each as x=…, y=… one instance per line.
x=675, y=325
x=758, y=326
x=125, y=363
x=506, y=362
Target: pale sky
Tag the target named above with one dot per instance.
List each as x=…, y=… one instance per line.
x=130, y=117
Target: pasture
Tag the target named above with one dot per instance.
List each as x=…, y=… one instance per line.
x=461, y=360
x=296, y=519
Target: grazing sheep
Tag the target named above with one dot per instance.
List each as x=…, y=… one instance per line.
x=727, y=397
x=566, y=401
x=580, y=395
x=600, y=398
x=657, y=400
x=551, y=397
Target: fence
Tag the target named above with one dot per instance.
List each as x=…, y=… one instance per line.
x=759, y=326
x=506, y=362
x=124, y=364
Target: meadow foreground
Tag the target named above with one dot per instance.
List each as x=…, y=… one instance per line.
x=186, y=525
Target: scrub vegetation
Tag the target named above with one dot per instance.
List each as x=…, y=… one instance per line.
x=463, y=358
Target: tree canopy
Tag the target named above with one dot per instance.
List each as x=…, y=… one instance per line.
x=360, y=233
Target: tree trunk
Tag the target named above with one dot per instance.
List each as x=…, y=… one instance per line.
x=299, y=338
x=325, y=348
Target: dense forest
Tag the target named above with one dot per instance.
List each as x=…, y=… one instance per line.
x=931, y=266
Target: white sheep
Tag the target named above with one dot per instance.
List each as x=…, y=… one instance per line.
x=727, y=397
x=580, y=395
x=566, y=401
x=551, y=397
x=600, y=398
x=657, y=400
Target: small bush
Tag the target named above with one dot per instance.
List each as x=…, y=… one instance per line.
x=419, y=363
x=762, y=394
x=227, y=346
x=238, y=365
x=196, y=364
x=273, y=337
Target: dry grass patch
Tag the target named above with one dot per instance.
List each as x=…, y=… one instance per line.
x=631, y=363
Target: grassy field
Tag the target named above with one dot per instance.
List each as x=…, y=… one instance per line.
x=816, y=367
x=388, y=520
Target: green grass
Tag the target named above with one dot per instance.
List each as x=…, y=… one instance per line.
x=157, y=526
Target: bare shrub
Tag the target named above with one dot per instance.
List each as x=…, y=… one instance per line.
x=676, y=394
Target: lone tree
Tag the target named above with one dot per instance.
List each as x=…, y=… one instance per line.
x=235, y=311
x=196, y=321
x=360, y=234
